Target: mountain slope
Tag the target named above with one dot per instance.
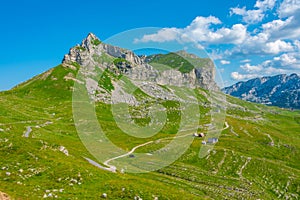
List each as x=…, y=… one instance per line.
x=202, y=68
x=281, y=90
x=42, y=155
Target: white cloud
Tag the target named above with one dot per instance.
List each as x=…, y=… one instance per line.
x=163, y=35
x=261, y=45
x=273, y=37
x=236, y=35
x=215, y=54
x=238, y=77
x=238, y=11
x=283, y=29
x=225, y=62
x=270, y=71
x=200, y=30
x=250, y=68
x=276, y=25
x=288, y=8
x=256, y=15
x=245, y=61
x=199, y=46
x=277, y=47
x=278, y=37
x=254, y=44
x=297, y=44
x=283, y=64
x=286, y=59
x=249, y=16
x=265, y=4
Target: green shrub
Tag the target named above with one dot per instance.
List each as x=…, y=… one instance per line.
x=119, y=61
x=96, y=42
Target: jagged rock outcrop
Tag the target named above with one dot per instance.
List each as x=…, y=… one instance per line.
x=205, y=77
x=91, y=45
x=281, y=90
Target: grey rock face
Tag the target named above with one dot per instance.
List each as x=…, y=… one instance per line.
x=205, y=78
x=281, y=90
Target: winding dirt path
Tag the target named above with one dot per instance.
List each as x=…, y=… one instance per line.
x=240, y=173
x=29, y=128
x=221, y=162
x=113, y=168
x=272, y=141
x=28, y=131
x=126, y=154
x=226, y=126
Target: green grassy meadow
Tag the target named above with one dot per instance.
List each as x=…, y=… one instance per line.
x=257, y=156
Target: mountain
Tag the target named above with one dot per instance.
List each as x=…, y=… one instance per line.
x=192, y=71
x=281, y=90
x=250, y=152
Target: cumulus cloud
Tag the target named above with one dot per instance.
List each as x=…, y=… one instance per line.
x=200, y=30
x=216, y=54
x=265, y=4
x=163, y=35
x=279, y=37
x=268, y=71
x=249, y=16
x=288, y=8
x=297, y=44
x=238, y=77
x=289, y=61
x=225, y=62
x=288, y=28
x=250, y=68
x=235, y=35
x=271, y=37
x=277, y=47
x=286, y=59
x=252, y=45
x=255, y=15
x=276, y=25
x=262, y=44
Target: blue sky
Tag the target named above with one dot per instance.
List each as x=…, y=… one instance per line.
x=246, y=39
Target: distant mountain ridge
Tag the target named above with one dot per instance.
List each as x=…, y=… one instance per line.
x=280, y=90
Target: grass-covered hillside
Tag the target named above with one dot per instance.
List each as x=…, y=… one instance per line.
x=182, y=61
x=42, y=156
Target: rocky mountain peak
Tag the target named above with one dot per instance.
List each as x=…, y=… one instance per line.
x=187, y=69
x=89, y=41
x=294, y=76
x=91, y=36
